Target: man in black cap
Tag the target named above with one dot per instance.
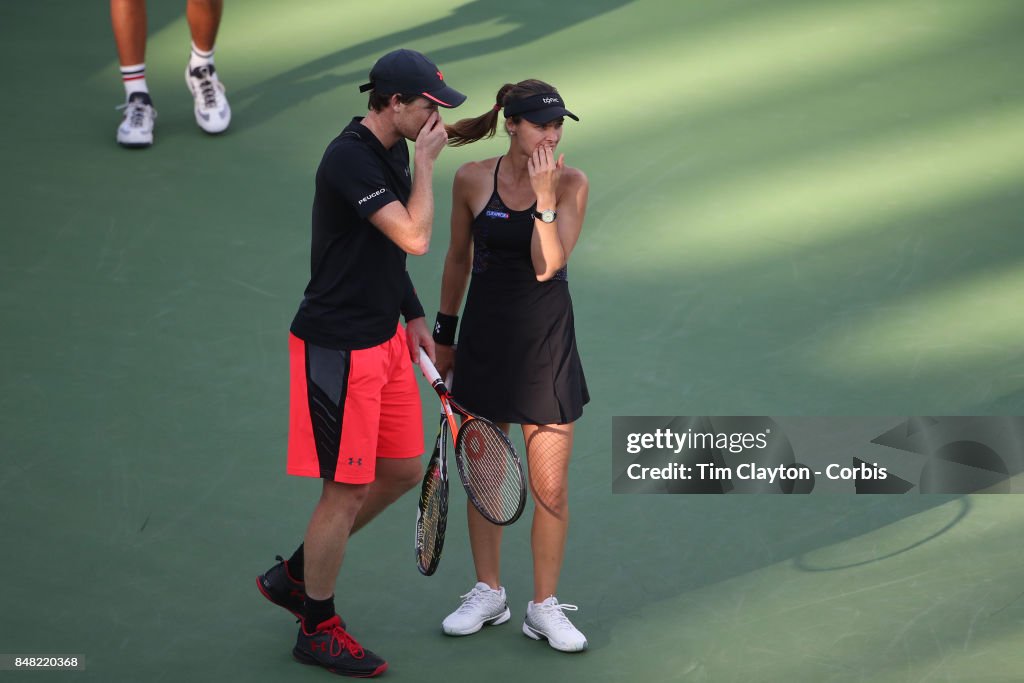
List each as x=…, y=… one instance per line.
x=355, y=414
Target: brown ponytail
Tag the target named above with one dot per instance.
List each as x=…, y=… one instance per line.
x=465, y=131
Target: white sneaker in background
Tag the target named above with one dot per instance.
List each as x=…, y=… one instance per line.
x=136, y=130
x=481, y=605
x=211, y=105
x=547, y=620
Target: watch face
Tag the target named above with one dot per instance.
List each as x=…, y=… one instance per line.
x=547, y=215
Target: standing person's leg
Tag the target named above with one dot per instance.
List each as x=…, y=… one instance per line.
x=486, y=602
x=204, y=21
x=334, y=421
x=548, y=450
x=284, y=584
x=128, y=19
x=395, y=476
x=212, y=112
x=327, y=537
x=485, y=543
x=356, y=422
x=322, y=639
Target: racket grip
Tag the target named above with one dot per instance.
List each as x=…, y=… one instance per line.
x=429, y=371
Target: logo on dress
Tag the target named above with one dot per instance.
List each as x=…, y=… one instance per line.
x=496, y=214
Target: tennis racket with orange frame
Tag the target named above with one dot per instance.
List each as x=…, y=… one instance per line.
x=488, y=464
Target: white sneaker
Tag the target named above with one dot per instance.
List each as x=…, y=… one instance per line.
x=548, y=620
x=211, y=106
x=136, y=130
x=482, y=605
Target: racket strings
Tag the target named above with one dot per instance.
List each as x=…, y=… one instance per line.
x=430, y=503
x=492, y=471
x=432, y=512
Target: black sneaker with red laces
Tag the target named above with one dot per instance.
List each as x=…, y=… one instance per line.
x=331, y=647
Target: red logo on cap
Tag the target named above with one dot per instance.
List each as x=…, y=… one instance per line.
x=440, y=76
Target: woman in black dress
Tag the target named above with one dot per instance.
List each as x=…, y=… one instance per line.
x=515, y=221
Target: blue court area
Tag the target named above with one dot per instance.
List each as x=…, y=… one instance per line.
x=796, y=208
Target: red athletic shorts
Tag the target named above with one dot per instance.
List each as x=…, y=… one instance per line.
x=349, y=408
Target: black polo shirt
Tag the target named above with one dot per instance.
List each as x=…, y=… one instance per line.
x=358, y=283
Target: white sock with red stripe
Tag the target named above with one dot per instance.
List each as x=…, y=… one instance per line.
x=134, y=78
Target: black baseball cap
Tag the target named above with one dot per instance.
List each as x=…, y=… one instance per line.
x=407, y=72
x=539, y=108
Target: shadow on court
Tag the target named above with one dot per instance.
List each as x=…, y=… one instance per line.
x=525, y=24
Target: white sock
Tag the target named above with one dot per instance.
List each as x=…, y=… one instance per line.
x=134, y=78
x=199, y=57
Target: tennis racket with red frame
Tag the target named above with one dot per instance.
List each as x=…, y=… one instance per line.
x=488, y=464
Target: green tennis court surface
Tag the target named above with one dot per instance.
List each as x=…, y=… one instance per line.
x=797, y=208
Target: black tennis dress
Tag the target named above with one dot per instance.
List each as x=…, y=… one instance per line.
x=516, y=359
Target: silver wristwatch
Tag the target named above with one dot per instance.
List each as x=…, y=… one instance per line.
x=547, y=215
